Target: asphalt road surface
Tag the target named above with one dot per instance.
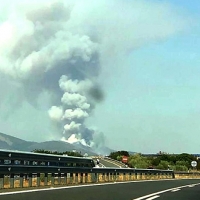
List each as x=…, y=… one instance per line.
x=107, y=163
x=138, y=190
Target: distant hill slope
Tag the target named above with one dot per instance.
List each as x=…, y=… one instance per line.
x=60, y=146
x=13, y=143
x=10, y=142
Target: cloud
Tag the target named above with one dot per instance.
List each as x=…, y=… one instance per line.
x=53, y=52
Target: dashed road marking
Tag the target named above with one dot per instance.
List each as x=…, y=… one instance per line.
x=154, y=197
x=176, y=190
x=191, y=185
x=163, y=191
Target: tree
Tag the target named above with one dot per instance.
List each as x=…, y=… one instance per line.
x=163, y=164
x=138, y=161
x=69, y=153
x=116, y=155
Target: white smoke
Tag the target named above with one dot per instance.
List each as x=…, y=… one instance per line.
x=55, y=113
x=75, y=100
x=72, y=127
x=77, y=113
x=59, y=47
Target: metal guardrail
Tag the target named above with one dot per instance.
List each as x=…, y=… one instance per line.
x=180, y=174
x=18, y=169
x=10, y=169
x=37, y=176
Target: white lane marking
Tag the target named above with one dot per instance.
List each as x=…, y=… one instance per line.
x=192, y=185
x=162, y=191
x=77, y=186
x=154, y=197
x=103, y=165
x=176, y=190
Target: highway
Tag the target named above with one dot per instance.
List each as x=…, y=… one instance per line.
x=135, y=190
x=107, y=163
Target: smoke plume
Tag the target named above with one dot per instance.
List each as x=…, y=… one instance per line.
x=59, y=48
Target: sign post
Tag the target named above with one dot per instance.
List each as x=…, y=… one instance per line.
x=194, y=164
x=124, y=159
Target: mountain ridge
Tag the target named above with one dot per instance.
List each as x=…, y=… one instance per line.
x=13, y=143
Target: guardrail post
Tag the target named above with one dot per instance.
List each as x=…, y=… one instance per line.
x=38, y=179
x=158, y=175
x=45, y=179
x=11, y=180
x=30, y=180
x=117, y=177
x=114, y=177
x=21, y=180
x=133, y=176
x=148, y=175
x=65, y=178
x=136, y=175
x=81, y=178
x=71, y=178
x=155, y=175
x=140, y=175
x=107, y=177
x=93, y=177
x=103, y=177
x=76, y=178
x=68, y=178
x=1, y=181
x=52, y=178
x=59, y=178
x=130, y=176
x=86, y=177
x=151, y=175
x=124, y=176
x=97, y=177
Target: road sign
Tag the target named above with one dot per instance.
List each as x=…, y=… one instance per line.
x=194, y=163
x=124, y=159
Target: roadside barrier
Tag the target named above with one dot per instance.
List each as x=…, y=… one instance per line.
x=25, y=169
x=20, y=176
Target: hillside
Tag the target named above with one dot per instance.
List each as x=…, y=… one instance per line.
x=13, y=143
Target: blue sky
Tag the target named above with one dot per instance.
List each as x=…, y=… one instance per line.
x=149, y=60
x=153, y=105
